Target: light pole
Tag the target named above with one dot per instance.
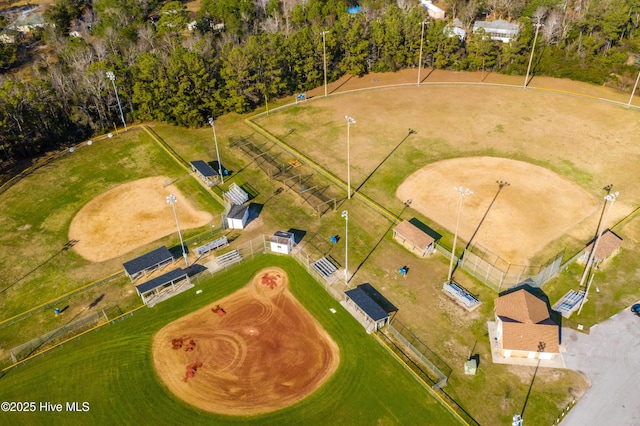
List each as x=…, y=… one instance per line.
x=611, y=198
x=215, y=140
x=345, y=215
x=324, y=56
x=535, y=37
x=634, y=90
x=350, y=121
x=420, y=60
x=112, y=77
x=171, y=199
x=463, y=193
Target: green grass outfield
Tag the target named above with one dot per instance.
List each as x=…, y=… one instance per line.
x=111, y=369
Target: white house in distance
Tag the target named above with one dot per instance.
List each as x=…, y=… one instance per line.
x=282, y=242
x=237, y=217
x=500, y=30
x=433, y=11
x=524, y=328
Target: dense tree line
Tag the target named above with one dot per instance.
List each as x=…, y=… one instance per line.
x=244, y=52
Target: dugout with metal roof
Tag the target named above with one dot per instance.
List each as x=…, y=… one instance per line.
x=204, y=171
x=152, y=288
x=369, y=307
x=148, y=262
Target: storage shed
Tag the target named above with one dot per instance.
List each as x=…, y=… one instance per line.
x=237, y=217
x=421, y=242
x=282, y=242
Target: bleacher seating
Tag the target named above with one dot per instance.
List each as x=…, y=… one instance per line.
x=220, y=242
x=461, y=295
x=229, y=258
x=324, y=267
x=569, y=302
x=236, y=195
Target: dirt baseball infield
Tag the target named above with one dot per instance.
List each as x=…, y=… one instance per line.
x=536, y=207
x=255, y=351
x=130, y=216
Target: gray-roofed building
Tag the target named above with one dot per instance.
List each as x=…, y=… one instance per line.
x=369, y=307
x=153, y=289
x=237, y=217
x=204, y=172
x=148, y=262
x=500, y=30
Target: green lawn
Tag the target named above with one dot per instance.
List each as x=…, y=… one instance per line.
x=111, y=369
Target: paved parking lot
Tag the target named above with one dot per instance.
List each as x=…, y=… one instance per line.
x=610, y=356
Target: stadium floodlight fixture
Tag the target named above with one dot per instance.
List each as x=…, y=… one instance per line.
x=463, y=193
x=111, y=76
x=324, y=56
x=215, y=141
x=423, y=23
x=345, y=215
x=611, y=199
x=171, y=199
x=350, y=121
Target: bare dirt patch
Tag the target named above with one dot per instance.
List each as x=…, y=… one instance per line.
x=253, y=352
x=130, y=216
x=535, y=208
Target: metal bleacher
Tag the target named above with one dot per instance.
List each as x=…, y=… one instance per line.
x=461, y=295
x=569, y=303
x=236, y=195
x=229, y=258
x=220, y=242
x=324, y=267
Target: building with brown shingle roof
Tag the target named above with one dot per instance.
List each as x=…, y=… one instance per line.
x=421, y=242
x=608, y=245
x=525, y=328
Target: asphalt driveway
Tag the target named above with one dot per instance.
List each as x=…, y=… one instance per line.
x=610, y=356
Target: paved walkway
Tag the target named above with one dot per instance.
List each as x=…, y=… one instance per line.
x=610, y=356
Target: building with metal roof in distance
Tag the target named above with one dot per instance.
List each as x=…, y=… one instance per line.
x=369, y=307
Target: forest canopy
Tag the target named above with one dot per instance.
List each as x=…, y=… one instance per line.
x=180, y=67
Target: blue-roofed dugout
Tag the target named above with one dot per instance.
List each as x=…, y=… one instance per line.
x=148, y=262
x=368, y=306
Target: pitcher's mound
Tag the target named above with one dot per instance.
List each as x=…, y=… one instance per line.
x=255, y=351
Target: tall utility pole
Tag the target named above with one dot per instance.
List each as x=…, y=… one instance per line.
x=423, y=23
x=535, y=37
x=345, y=215
x=171, y=199
x=350, y=121
x=324, y=56
x=215, y=141
x=634, y=90
x=111, y=76
x=463, y=193
x=611, y=198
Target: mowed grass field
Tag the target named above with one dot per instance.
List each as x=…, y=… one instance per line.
x=112, y=370
x=35, y=214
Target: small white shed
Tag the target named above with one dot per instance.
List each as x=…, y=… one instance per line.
x=237, y=217
x=282, y=242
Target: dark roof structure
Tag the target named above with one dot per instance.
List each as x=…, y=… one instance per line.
x=147, y=261
x=161, y=281
x=374, y=304
x=237, y=212
x=203, y=168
